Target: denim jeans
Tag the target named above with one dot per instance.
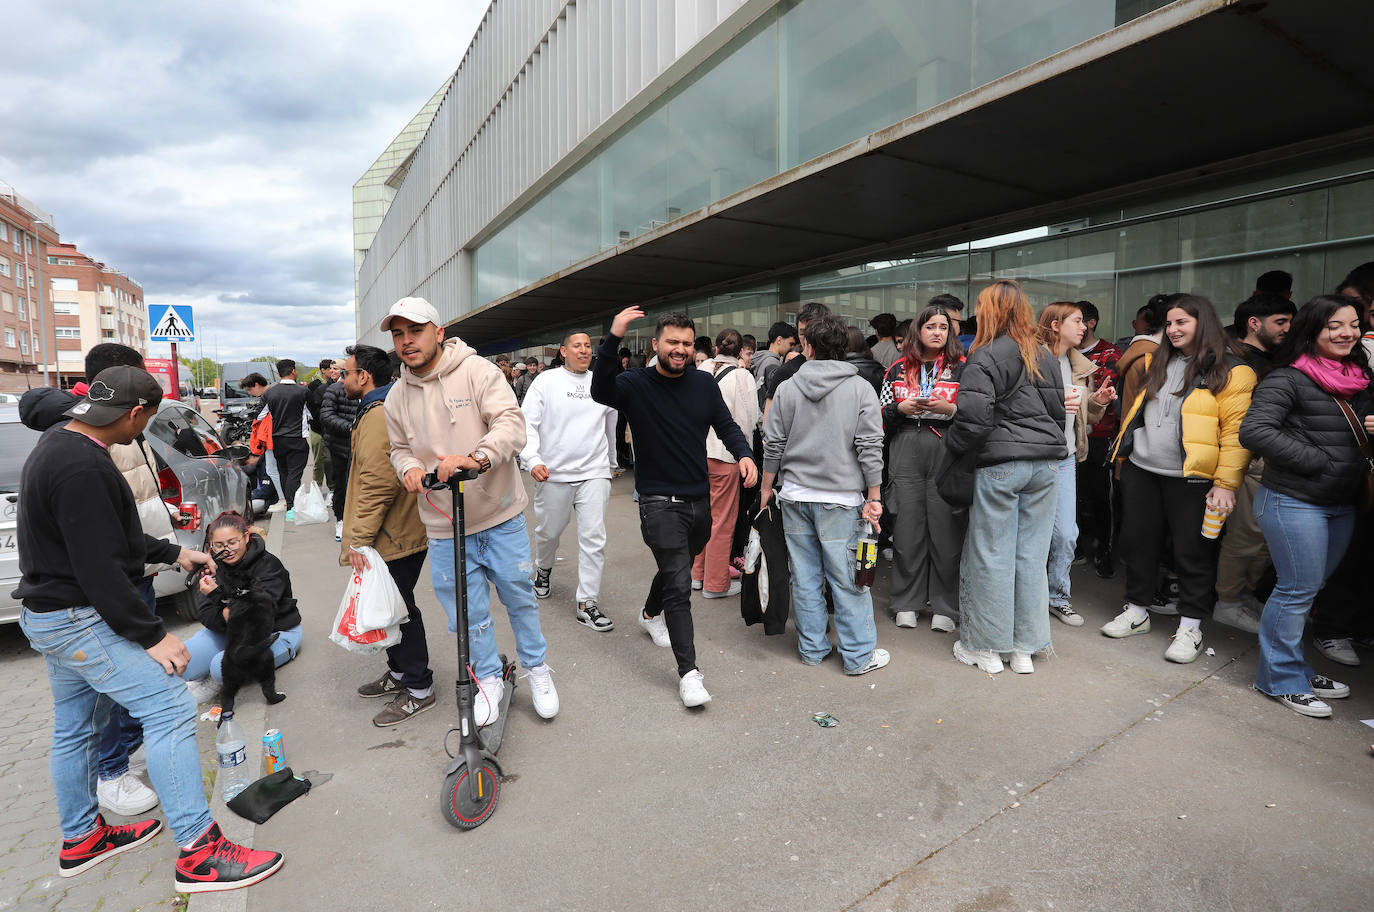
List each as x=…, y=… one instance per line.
x=1065, y=535
x=90, y=667
x=122, y=735
x=821, y=539
x=207, y=652
x=1003, y=585
x=501, y=556
x=675, y=532
x=1306, y=541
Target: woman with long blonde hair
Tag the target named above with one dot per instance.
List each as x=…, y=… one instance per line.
x=1010, y=421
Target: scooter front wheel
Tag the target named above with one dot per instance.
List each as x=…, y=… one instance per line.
x=461, y=807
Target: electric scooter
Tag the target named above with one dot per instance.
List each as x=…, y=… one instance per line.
x=471, y=781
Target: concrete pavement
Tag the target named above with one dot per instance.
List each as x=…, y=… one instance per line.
x=1108, y=778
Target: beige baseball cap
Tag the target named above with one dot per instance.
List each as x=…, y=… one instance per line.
x=416, y=310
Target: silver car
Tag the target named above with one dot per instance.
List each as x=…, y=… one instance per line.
x=196, y=473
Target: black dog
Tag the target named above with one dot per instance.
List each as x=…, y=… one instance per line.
x=249, y=635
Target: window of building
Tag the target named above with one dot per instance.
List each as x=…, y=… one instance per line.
x=23, y=308
x=107, y=334
x=52, y=260
x=67, y=332
x=7, y=302
x=9, y=338
x=18, y=247
x=28, y=244
x=5, y=236
x=66, y=262
x=23, y=341
x=4, y=267
x=61, y=284
x=66, y=308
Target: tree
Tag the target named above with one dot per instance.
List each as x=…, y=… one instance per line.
x=203, y=371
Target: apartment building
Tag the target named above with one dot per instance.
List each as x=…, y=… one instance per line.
x=91, y=303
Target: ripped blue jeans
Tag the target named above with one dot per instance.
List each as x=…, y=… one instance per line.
x=500, y=556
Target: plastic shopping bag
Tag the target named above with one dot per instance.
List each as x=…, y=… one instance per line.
x=382, y=605
x=310, y=508
x=348, y=630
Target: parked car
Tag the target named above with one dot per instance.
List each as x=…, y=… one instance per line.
x=197, y=474
x=9, y=398
x=237, y=408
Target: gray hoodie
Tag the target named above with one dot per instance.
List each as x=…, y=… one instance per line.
x=825, y=429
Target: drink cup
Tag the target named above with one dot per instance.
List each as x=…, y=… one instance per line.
x=1212, y=520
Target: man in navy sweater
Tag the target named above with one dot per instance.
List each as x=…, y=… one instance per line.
x=670, y=408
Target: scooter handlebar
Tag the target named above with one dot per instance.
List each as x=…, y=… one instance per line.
x=431, y=480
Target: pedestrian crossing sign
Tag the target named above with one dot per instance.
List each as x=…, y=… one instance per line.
x=171, y=323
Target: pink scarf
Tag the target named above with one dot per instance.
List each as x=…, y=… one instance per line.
x=1341, y=379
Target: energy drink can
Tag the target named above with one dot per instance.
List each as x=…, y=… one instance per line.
x=865, y=560
x=273, y=750
x=824, y=720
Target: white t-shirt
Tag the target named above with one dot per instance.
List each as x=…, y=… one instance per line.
x=566, y=431
x=1066, y=371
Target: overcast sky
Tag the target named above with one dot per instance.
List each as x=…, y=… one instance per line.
x=209, y=150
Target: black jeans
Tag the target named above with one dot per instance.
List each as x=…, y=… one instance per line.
x=1152, y=505
x=292, y=453
x=1096, y=520
x=676, y=532
x=409, y=659
x=338, y=461
x=1342, y=607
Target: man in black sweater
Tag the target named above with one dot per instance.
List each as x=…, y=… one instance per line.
x=670, y=409
x=286, y=403
x=81, y=553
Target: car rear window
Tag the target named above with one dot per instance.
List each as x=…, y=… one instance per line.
x=16, y=442
x=184, y=431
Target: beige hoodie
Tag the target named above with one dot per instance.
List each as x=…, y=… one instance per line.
x=462, y=405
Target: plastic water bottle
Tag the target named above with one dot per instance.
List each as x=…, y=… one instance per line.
x=233, y=757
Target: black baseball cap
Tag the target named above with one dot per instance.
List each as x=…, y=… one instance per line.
x=113, y=393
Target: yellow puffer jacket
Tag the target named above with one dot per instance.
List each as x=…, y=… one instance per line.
x=1211, y=428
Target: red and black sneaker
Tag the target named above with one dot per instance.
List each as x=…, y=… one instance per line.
x=214, y=863
x=103, y=842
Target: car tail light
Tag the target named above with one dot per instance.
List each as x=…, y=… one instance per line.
x=190, y=517
x=169, y=487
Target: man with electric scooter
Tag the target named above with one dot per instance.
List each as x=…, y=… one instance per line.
x=452, y=409
x=670, y=409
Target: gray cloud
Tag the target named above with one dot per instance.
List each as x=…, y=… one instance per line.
x=210, y=152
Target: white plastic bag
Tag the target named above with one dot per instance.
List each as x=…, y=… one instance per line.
x=310, y=508
x=370, y=598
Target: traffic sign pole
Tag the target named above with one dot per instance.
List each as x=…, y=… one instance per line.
x=176, y=374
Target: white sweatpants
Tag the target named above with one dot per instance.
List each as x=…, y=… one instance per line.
x=554, y=503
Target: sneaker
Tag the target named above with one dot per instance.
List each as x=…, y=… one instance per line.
x=204, y=690
x=486, y=704
x=541, y=582
x=985, y=659
x=1066, y=614
x=692, y=689
x=1125, y=625
x=1237, y=615
x=905, y=619
x=329, y=498
x=1186, y=647
x=942, y=623
x=1338, y=650
x=214, y=863
x=733, y=590
x=1021, y=662
x=1328, y=689
x=290, y=515
x=735, y=572
x=589, y=615
x=385, y=686
x=403, y=707
x=887, y=555
x=542, y=692
x=696, y=585
x=878, y=659
x=338, y=530
x=655, y=628
x=127, y=795
x=277, y=507
x=103, y=842
x=1305, y=704
x=738, y=564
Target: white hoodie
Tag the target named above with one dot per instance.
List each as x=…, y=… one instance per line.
x=565, y=431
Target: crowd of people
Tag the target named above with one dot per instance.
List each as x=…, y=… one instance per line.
x=1226, y=469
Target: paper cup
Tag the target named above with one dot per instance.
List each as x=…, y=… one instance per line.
x=1212, y=521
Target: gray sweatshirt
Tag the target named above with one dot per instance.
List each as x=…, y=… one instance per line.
x=825, y=429
x=1158, y=443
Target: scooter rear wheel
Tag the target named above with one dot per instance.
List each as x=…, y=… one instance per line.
x=460, y=807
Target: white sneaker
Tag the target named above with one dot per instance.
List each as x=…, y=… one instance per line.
x=1237, y=615
x=696, y=585
x=486, y=707
x=692, y=689
x=1021, y=663
x=278, y=507
x=338, y=530
x=655, y=628
x=1125, y=625
x=1338, y=650
x=542, y=692
x=329, y=498
x=733, y=589
x=1186, y=647
x=906, y=619
x=204, y=690
x=942, y=623
x=985, y=659
x=125, y=796
x=878, y=659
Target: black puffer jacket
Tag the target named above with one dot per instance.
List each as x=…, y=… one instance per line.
x=869, y=370
x=337, y=412
x=1309, y=450
x=258, y=580
x=1004, y=414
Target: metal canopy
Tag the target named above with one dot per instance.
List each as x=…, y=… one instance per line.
x=1169, y=96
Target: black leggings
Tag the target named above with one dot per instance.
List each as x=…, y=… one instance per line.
x=1152, y=505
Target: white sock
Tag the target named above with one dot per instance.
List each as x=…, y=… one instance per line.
x=420, y=694
x=1190, y=623
x=188, y=845
x=1136, y=612
x=395, y=676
